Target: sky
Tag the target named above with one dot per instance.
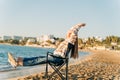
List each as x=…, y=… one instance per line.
x=43, y=17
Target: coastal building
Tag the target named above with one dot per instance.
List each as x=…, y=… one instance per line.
x=99, y=38
x=17, y=37
x=31, y=41
x=6, y=37
x=114, y=43
x=44, y=38
x=27, y=38
x=0, y=38
x=11, y=37
x=84, y=40
x=97, y=48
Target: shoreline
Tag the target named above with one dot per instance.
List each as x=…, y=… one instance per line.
x=39, y=46
x=101, y=64
x=34, y=46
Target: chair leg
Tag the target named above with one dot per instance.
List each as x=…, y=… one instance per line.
x=59, y=67
x=46, y=73
x=67, y=70
x=56, y=70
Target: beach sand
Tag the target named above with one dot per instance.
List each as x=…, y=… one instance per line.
x=100, y=65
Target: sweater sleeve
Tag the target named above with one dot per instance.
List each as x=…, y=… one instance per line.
x=73, y=31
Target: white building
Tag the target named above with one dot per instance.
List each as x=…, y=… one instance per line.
x=97, y=48
x=45, y=38
x=11, y=37
x=6, y=37
x=17, y=37
x=0, y=38
x=113, y=43
x=99, y=38
x=30, y=40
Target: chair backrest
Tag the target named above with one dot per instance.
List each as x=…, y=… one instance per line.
x=69, y=48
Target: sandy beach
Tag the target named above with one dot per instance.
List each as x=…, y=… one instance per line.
x=99, y=65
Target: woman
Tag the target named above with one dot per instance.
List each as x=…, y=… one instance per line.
x=70, y=43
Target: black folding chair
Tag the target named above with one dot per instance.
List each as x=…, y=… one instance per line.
x=57, y=67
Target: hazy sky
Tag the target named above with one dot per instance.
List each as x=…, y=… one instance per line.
x=38, y=17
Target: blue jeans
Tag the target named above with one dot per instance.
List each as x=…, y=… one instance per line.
x=41, y=60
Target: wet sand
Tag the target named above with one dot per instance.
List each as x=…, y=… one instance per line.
x=100, y=65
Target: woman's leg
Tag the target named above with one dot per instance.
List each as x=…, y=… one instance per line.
x=54, y=60
x=41, y=60
x=26, y=61
x=34, y=61
x=12, y=60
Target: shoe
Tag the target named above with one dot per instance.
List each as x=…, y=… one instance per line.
x=12, y=60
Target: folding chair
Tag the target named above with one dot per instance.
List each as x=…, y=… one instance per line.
x=57, y=67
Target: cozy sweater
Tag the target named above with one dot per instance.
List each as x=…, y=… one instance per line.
x=71, y=37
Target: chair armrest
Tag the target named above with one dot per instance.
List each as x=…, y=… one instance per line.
x=51, y=54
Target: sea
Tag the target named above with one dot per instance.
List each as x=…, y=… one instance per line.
x=8, y=72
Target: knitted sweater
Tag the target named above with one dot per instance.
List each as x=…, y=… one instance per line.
x=71, y=37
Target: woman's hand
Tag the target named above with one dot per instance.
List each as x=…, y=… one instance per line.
x=81, y=24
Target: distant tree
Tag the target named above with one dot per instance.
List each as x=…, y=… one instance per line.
x=1, y=41
x=61, y=39
x=108, y=40
x=14, y=42
x=22, y=42
x=80, y=41
x=89, y=41
x=49, y=41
